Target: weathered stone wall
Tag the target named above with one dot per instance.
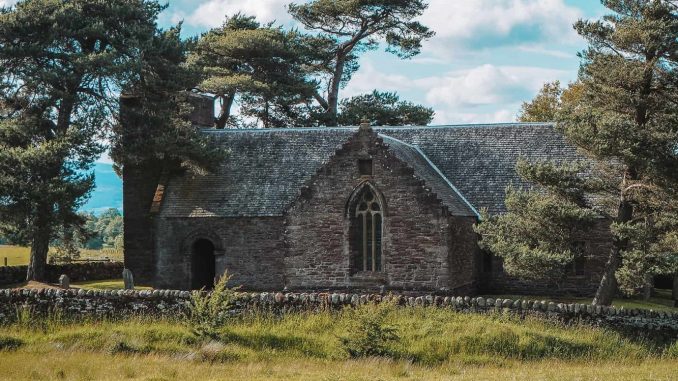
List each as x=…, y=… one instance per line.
x=112, y=303
x=76, y=272
x=250, y=249
x=417, y=229
x=580, y=280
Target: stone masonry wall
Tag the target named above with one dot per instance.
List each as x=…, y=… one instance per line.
x=250, y=249
x=416, y=231
x=172, y=303
x=76, y=272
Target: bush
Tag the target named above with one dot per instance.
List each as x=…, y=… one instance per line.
x=208, y=311
x=369, y=331
x=8, y=343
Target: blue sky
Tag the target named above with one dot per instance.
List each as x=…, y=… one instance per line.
x=487, y=58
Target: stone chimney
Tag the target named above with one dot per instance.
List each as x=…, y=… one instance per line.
x=202, y=115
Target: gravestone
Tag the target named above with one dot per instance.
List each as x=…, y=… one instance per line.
x=64, y=281
x=128, y=279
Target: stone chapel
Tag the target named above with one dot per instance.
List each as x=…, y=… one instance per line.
x=348, y=208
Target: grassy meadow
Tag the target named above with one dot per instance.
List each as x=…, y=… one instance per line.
x=19, y=255
x=431, y=344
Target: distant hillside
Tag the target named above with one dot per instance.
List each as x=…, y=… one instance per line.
x=108, y=191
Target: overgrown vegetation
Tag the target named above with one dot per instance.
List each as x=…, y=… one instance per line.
x=370, y=333
x=428, y=336
x=418, y=342
x=209, y=311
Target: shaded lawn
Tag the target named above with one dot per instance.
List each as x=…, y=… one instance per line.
x=109, y=284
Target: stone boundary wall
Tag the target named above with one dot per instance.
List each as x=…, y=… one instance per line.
x=173, y=303
x=77, y=272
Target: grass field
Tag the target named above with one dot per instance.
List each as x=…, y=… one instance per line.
x=433, y=344
x=111, y=284
x=18, y=255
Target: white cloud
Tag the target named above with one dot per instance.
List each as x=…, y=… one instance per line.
x=487, y=85
x=212, y=13
x=105, y=158
x=444, y=116
x=479, y=24
x=482, y=94
x=7, y=3
x=369, y=78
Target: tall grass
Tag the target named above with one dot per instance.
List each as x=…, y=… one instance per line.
x=426, y=336
x=428, y=343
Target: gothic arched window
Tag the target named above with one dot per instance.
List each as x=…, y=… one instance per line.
x=367, y=233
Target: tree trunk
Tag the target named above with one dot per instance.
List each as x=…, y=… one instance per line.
x=39, y=248
x=225, y=113
x=608, y=283
x=648, y=287
x=333, y=93
x=675, y=290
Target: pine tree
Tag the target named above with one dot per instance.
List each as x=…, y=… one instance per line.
x=349, y=27
x=262, y=65
x=383, y=109
x=624, y=117
x=60, y=64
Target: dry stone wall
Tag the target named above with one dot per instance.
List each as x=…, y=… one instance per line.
x=173, y=303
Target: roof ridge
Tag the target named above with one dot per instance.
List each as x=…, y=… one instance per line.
x=351, y=128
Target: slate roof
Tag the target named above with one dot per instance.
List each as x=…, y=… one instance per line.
x=480, y=159
x=434, y=179
x=463, y=165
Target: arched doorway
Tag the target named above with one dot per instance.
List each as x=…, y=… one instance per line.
x=203, y=266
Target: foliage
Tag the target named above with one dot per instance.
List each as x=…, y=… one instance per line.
x=348, y=27
x=369, y=332
x=544, y=106
x=535, y=236
x=155, y=128
x=9, y=343
x=383, y=109
x=105, y=230
x=621, y=113
x=209, y=311
x=60, y=66
x=263, y=65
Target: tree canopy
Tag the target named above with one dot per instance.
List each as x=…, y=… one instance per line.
x=347, y=27
x=60, y=66
x=622, y=114
x=383, y=109
x=262, y=64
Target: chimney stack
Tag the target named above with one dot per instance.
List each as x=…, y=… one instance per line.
x=202, y=115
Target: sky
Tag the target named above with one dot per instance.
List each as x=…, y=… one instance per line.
x=488, y=56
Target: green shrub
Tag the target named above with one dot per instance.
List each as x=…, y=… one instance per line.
x=208, y=311
x=369, y=331
x=8, y=343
